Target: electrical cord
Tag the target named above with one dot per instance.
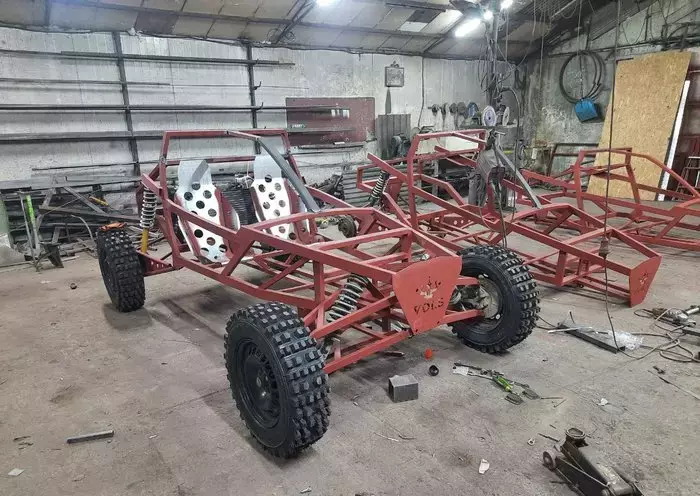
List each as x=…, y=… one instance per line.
x=607, y=182
x=598, y=77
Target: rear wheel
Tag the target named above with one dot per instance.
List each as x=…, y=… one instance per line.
x=507, y=296
x=276, y=375
x=121, y=269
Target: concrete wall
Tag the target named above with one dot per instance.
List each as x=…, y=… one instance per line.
x=315, y=74
x=551, y=117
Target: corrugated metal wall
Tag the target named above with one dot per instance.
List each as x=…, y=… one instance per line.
x=389, y=126
x=314, y=74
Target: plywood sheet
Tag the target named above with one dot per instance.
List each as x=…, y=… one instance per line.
x=647, y=94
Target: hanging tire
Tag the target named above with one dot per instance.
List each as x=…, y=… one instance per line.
x=121, y=269
x=509, y=299
x=276, y=375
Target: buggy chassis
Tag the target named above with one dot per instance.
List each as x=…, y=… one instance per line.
x=567, y=240
x=331, y=265
x=674, y=227
x=387, y=284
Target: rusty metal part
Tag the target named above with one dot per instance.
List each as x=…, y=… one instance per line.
x=113, y=225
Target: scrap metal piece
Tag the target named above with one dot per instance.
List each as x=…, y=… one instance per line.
x=530, y=394
x=403, y=388
x=514, y=398
x=90, y=437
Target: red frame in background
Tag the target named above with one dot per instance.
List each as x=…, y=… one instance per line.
x=677, y=226
x=562, y=258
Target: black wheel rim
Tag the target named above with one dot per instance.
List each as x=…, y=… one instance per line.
x=259, y=388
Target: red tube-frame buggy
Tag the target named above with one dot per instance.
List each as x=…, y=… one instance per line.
x=333, y=301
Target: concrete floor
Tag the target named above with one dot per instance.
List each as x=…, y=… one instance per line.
x=70, y=364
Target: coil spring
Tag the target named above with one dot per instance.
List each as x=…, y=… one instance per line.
x=378, y=189
x=148, y=209
x=348, y=298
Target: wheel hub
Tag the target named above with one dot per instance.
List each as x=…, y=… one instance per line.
x=490, y=298
x=487, y=298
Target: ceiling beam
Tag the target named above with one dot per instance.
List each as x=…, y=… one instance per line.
x=252, y=20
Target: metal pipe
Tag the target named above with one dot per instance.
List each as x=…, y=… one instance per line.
x=20, y=107
x=29, y=235
x=133, y=147
x=152, y=58
x=251, y=94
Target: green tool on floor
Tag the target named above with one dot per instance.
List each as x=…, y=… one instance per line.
x=503, y=382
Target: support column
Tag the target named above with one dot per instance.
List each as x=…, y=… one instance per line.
x=133, y=146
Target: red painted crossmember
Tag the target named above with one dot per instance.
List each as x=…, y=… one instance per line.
x=424, y=290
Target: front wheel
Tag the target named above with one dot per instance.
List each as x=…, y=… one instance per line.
x=121, y=269
x=276, y=375
x=507, y=295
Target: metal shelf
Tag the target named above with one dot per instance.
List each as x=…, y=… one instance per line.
x=150, y=58
x=160, y=108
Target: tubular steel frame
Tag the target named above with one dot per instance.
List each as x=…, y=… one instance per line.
x=563, y=258
x=314, y=289
x=647, y=223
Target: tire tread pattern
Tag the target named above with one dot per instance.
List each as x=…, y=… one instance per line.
x=302, y=364
x=117, y=255
x=521, y=282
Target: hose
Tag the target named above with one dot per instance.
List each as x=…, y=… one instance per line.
x=598, y=76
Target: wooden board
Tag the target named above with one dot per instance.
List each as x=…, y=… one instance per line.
x=647, y=94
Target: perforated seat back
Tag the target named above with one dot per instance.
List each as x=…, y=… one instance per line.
x=197, y=193
x=271, y=194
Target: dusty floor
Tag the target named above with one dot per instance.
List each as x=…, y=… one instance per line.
x=70, y=364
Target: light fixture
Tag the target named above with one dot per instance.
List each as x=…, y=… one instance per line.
x=324, y=3
x=506, y=4
x=467, y=26
x=488, y=15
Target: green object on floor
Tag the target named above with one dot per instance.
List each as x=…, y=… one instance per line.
x=503, y=382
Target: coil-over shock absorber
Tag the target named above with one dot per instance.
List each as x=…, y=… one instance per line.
x=378, y=189
x=348, y=298
x=148, y=216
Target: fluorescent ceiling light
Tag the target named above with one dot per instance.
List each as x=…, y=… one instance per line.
x=324, y=3
x=488, y=15
x=506, y=4
x=467, y=26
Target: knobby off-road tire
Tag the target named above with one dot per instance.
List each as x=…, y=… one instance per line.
x=500, y=269
x=121, y=269
x=276, y=375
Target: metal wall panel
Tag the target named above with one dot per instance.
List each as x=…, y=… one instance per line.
x=388, y=126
